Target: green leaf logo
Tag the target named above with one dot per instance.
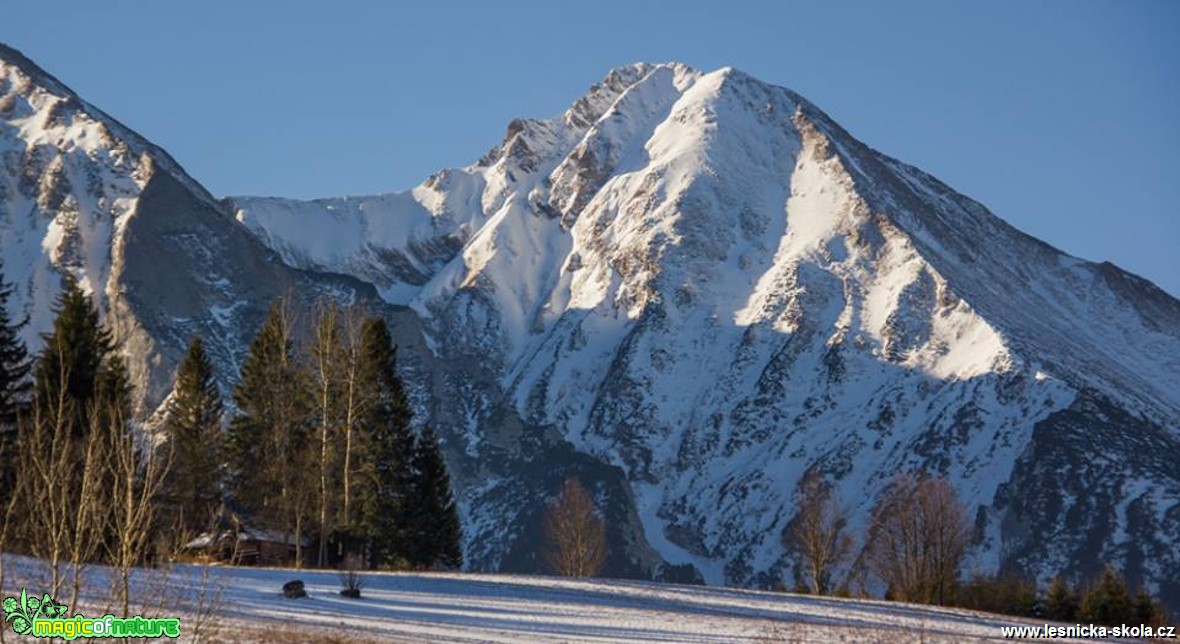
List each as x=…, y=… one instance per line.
x=21, y=613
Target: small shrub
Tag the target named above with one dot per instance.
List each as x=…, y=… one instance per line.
x=351, y=579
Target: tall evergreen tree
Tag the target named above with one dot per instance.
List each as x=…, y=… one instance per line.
x=434, y=527
x=192, y=424
x=81, y=417
x=14, y=387
x=268, y=442
x=1146, y=610
x=14, y=361
x=79, y=372
x=387, y=445
x=1107, y=601
x=1061, y=601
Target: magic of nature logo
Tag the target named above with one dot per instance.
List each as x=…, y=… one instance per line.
x=43, y=617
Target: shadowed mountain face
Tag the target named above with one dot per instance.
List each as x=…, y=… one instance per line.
x=690, y=289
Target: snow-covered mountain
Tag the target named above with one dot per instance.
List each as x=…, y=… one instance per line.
x=81, y=194
x=691, y=289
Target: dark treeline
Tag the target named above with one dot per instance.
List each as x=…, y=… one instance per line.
x=318, y=453
x=917, y=540
x=1106, y=600
x=321, y=446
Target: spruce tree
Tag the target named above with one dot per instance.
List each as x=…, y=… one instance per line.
x=1107, y=601
x=14, y=388
x=192, y=424
x=1145, y=609
x=387, y=446
x=113, y=394
x=1061, y=601
x=78, y=372
x=268, y=442
x=14, y=361
x=82, y=414
x=434, y=521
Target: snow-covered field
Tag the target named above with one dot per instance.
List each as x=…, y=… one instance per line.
x=507, y=608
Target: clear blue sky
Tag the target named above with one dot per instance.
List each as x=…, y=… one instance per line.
x=1063, y=117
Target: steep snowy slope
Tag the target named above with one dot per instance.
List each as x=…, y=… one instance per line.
x=81, y=194
x=703, y=281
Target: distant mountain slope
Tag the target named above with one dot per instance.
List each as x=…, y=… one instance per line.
x=690, y=289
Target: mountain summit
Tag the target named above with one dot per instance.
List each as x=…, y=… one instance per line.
x=694, y=290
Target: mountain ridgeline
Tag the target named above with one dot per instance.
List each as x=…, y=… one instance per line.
x=692, y=290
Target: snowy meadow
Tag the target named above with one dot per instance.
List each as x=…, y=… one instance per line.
x=238, y=604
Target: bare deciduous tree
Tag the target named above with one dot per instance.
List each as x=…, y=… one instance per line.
x=919, y=535
x=7, y=519
x=60, y=508
x=327, y=365
x=137, y=480
x=342, y=401
x=356, y=400
x=817, y=535
x=576, y=533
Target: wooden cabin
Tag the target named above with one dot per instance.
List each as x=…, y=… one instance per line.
x=233, y=540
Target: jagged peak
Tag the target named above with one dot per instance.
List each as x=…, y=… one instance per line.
x=600, y=96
